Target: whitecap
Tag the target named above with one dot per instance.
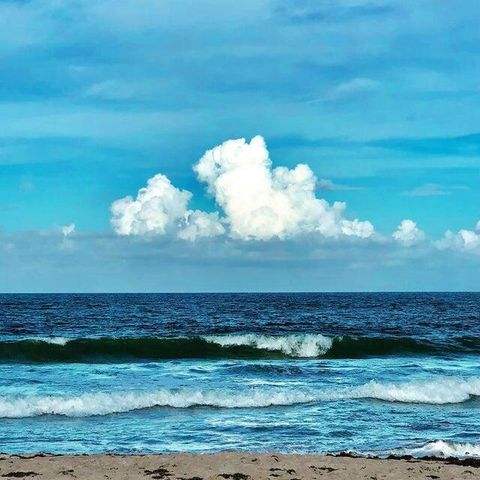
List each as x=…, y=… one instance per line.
x=100, y=403
x=295, y=345
x=442, y=448
x=441, y=390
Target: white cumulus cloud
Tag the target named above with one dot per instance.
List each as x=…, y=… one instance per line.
x=257, y=202
x=463, y=240
x=262, y=203
x=157, y=208
x=201, y=224
x=408, y=234
x=160, y=208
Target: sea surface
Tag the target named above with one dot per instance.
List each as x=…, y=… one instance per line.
x=373, y=373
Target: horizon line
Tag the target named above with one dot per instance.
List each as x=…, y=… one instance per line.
x=239, y=292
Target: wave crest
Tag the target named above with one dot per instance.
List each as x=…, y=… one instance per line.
x=440, y=391
x=91, y=404
x=248, y=346
x=302, y=346
x=442, y=448
x=435, y=391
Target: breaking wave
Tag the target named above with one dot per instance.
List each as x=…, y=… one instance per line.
x=90, y=404
x=443, y=390
x=248, y=346
x=439, y=391
x=443, y=449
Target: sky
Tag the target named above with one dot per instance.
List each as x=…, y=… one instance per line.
x=262, y=145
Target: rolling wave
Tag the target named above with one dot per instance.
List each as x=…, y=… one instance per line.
x=438, y=391
x=248, y=346
x=100, y=403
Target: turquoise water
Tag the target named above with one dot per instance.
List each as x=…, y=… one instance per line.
x=370, y=373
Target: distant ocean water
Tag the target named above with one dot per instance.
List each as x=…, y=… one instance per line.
x=374, y=373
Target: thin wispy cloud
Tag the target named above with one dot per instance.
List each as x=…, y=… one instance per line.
x=26, y=186
x=8, y=208
x=351, y=89
x=433, y=190
x=308, y=11
x=331, y=186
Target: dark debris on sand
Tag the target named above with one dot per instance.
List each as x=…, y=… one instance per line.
x=20, y=474
x=465, y=462
x=158, y=473
x=235, y=476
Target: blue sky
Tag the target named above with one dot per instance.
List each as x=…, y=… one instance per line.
x=379, y=98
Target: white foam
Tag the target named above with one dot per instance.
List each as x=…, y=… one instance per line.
x=117, y=402
x=303, y=346
x=53, y=340
x=441, y=448
x=441, y=390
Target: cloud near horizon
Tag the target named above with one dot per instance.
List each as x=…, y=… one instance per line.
x=464, y=240
x=161, y=208
x=257, y=202
x=408, y=233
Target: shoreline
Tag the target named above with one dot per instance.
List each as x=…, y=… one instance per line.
x=234, y=466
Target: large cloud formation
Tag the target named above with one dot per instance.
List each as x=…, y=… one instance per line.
x=261, y=203
x=258, y=202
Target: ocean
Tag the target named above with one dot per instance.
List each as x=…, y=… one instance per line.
x=371, y=373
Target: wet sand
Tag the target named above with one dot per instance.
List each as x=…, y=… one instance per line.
x=232, y=466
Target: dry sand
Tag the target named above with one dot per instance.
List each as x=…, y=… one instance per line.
x=229, y=466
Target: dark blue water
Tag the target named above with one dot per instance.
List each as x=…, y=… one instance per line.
x=372, y=373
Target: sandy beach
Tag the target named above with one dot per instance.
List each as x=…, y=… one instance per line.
x=231, y=466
